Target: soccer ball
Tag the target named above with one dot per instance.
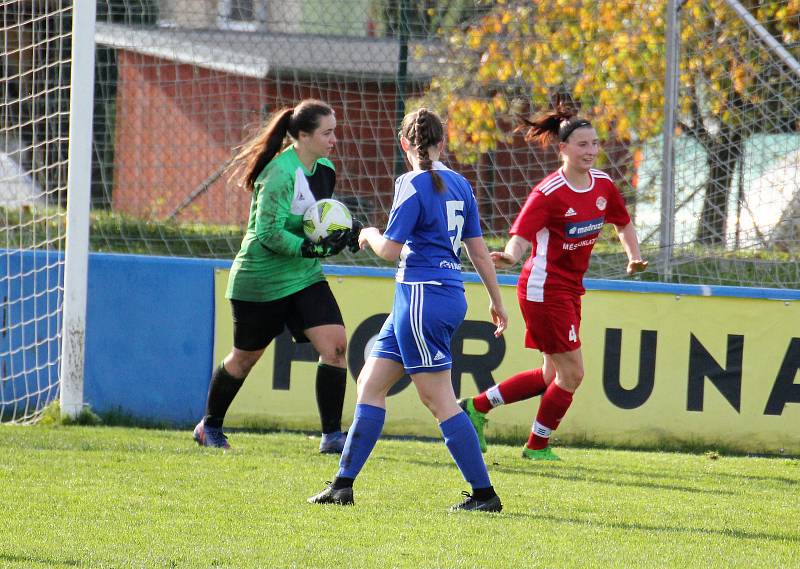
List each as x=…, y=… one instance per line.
x=324, y=217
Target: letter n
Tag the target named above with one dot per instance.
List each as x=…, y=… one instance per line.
x=727, y=380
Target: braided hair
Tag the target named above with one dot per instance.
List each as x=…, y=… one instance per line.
x=423, y=129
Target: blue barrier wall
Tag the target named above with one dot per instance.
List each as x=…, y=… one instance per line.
x=149, y=337
x=150, y=326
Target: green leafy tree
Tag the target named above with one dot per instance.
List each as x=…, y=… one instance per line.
x=608, y=56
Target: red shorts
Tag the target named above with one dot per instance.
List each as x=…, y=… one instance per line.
x=552, y=327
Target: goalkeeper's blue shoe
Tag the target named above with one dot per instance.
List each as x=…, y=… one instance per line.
x=210, y=436
x=332, y=443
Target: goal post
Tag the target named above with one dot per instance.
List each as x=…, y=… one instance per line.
x=79, y=179
x=34, y=144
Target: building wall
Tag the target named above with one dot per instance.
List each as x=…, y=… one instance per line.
x=175, y=128
x=188, y=13
x=177, y=125
x=343, y=17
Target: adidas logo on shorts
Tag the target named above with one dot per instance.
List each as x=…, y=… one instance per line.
x=439, y=356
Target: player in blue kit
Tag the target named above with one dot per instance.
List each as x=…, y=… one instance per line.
x=433, y=213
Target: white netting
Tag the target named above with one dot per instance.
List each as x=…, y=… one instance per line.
x=33, y=150
x=737, y=175
x=179, y=84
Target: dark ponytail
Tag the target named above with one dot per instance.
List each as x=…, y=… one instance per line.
x=257, y=152
x=423, y=129
x=551, y=126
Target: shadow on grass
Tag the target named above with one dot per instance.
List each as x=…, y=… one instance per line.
x=118, y=417
x=732, y=533
x=578, y=473
x=47, y=562
x=657, y=475
x=551, y=471
x=512, y=437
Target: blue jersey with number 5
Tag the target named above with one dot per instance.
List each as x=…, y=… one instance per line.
x=431, y=225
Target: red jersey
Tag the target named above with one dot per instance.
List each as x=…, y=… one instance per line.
x=563, y=223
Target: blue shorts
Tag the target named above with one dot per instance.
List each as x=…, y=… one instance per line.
x=418, y=331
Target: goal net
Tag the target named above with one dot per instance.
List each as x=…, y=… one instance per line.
x=36, y=38
x=179, y=84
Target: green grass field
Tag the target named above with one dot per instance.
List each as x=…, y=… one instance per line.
x=114, y=497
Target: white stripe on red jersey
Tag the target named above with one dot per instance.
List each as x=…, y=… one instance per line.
x=553, y=184
x=600, y=174
x=534, y=286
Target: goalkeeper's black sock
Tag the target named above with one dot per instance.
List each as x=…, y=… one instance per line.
x=331, y=385
x=221, y=391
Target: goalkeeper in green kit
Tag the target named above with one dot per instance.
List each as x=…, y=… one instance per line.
x=276, y=279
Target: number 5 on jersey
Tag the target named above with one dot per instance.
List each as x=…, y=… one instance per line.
x=455, y=221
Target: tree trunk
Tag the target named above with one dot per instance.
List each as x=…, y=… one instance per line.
x=722, y=155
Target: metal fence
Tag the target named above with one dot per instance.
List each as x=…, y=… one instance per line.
x=714, y=191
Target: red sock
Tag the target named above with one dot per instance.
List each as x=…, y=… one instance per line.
x=552, y=409
x=523, y=385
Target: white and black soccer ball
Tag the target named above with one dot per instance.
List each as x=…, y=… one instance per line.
x=324, y=217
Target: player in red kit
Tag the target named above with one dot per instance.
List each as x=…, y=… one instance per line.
x=561, y=220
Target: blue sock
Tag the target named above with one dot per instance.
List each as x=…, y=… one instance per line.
x=462, y=442
x=361, y=438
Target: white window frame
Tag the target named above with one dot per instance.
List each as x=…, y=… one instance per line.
x=224, y=21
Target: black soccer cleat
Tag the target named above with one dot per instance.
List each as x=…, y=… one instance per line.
x=332, y=443
x=331, y=495
x=471, y=504
x=207, y=436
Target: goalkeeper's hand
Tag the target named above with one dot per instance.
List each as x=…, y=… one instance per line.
x=333, y=244
x=352, y=239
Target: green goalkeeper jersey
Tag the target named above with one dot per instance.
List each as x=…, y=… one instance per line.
x=268, y=265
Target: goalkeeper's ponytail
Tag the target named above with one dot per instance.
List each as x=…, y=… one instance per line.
x=256, y=153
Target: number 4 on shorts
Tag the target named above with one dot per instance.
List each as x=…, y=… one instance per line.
x=573, y=335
